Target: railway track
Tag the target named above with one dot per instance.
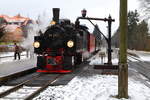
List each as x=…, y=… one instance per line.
x=16, y=75
x=29, y=87
x=141, y=67
x=23, y=92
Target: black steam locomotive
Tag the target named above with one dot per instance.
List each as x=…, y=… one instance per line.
x=62, y=45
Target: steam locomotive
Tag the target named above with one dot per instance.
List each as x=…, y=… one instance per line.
x=62, y=46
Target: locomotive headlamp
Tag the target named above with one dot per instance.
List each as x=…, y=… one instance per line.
x=70, y=43
x=36, y=44
x=53, y=23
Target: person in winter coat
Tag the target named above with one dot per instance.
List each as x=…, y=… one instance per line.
x=17, y=51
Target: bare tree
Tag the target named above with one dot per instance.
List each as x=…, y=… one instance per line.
x=145, y=9
x=1, y=31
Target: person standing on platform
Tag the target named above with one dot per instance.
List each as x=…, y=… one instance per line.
x=16, y=52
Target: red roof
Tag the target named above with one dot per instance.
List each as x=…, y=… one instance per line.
x=17, y=18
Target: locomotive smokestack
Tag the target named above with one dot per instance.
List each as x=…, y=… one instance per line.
x=56, y=14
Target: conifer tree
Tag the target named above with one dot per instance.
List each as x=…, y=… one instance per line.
x=137, y=35
x=132, y=26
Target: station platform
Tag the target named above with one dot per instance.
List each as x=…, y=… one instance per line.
x=15, y=66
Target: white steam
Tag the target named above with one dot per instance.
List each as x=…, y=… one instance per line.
x=86, y=55
x=33, y=29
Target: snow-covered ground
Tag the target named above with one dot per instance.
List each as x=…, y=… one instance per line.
x=10, y=66
x=143, y=55
x=11, y=58
x=97, y=87
x=90, y=85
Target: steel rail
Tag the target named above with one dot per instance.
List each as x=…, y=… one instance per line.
x=15, y=88
x=143, y=72
x=145, y=82
x=30, y=97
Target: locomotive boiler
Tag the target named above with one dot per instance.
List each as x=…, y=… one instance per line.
x=62, y=45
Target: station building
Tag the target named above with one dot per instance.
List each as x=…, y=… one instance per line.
x=15, y=28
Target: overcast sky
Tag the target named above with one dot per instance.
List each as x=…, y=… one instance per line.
x=69, y=8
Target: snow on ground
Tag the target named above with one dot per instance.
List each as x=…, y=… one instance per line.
x=95, y=87
x=143, y=55
x=11, y=59
x=10, y=66
x=90, y=85
x=4, y=88
x=98, y=61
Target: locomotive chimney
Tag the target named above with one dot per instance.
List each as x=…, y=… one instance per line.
x=56, y=15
